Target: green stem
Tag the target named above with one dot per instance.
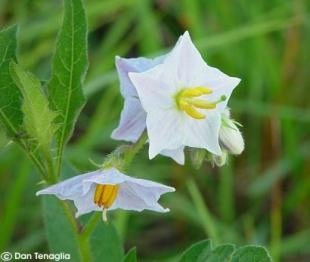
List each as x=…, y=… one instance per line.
x=60, y=152
x=203, y=211
x=226, y=193
x=92, y=223
x=52, y=178
x=134, y=149
x=40, y=167
x=84, y=248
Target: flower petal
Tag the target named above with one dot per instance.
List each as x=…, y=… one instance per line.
x=165, y=131
x=176, y=154
x=184, y=63
x=68, y=189
x=126, y=65
x=132, y=122
x=203, y=133
x=153, y=93
x=105, y=177
x=140, y=194
x=85, y=203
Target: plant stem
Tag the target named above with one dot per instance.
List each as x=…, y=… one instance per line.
x=52, y=178
x=92, y=223
x=203, y=211
x=134, y=149
x=84, y=248
x=40, y=167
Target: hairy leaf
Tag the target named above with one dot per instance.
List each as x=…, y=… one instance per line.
x=204, y=252
x=193, y=252
x=68, y=71
x=10, y=97
x=38, y=117
x=60, y=233
x=251, y=254
x=105, y=243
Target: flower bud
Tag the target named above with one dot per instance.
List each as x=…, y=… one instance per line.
x=230, y=136
x=198, y=156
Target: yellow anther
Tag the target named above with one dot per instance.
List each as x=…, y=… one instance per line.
x=199, y=103
x=105, y=195
x=196, y=91
x=188, y=102
x=190, y=110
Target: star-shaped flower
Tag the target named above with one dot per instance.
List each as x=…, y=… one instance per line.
x=183, y=98
x=109, y=189
x=133, y=117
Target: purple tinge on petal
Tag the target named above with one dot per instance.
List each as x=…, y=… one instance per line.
x=127, y=65
x=132, y=121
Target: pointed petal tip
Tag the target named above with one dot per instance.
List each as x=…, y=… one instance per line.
x=186, y=33
x=172, y=189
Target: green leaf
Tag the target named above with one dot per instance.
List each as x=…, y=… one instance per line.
x=131, y=256
x=220, y=253
x=203, y=252
x=68, y=71
x=193, y=252
x=251, y=254
x=10, y=98
x=60, y=232
x=38, y=118
x=105, y=243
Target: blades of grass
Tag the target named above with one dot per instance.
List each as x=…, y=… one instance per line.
x=112, y=45
x=99, y=120
x=192, y=15
x=148, y=28
x=226, y=192
x=263, y=183
x=248, y=31
x=12, y=206
x=212, y=43
x=296, y=244
x=206, y=219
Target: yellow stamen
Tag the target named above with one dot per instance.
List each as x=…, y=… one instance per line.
x=186, y=101
x=203, y=104
x=191, y=111
x=105, y=195
x=197, y=91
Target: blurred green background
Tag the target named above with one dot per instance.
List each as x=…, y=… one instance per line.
x=261, y=197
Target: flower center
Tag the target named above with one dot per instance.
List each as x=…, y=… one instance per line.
x=187, y=100
x=105, y=195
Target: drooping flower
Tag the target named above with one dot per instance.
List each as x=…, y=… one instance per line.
x=133, y=117
x=183, y=99
x=109, y=189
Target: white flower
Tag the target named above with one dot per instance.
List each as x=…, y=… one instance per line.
x=133, y=117
x=183, y=98
x=107, y=190
x=230, y=136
